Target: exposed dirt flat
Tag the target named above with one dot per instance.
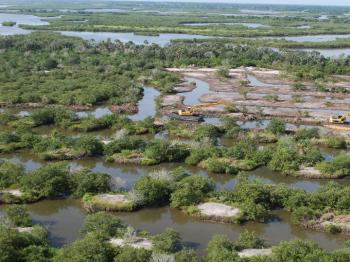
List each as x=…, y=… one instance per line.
x=184, y=86
x=310, y=171
x=254, y=252
x=145, y=243
x=124, y=109
x=112, y=199
x=309, y=103
x=291, y=116
x=266, y=76
x=24, y=229
x=217, y=209
x=14, y=192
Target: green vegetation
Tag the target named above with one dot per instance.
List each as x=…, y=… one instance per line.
x=8, y=23
x=100, y=227
x=50, y=180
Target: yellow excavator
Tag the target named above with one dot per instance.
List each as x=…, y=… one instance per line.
x=189, y=115
x=338, y=122
x=339, y=119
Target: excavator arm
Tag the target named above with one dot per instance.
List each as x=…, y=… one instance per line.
x=339, y=120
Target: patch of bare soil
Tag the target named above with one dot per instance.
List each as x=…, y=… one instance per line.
x=208, y=75
x=267, y=76
x=310, y=172
x=217, y=209
x=14, y=192
x=309, y=103
x=112, y=199
x=24, y=229
x=171, y=103
x=140, y=243
x=124, y=109
x=184, y=86
x=254, y=252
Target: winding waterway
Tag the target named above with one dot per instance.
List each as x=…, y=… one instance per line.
x=66, y=215
x=161, y=40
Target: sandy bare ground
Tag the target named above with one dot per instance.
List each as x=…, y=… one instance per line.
x=209, y=75
x=291, y=116
x=112, y=199
x=14, y=192
x=266, y=76
x=254, y=252
x=217, y=209
x=310, y=171
x=184, y=86
x=141, y=242
x=281, y=102
x=24, y=229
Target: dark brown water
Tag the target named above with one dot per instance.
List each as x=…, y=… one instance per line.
x=66, y=217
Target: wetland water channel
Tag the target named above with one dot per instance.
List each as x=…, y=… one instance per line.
x=66, y=215
x=162, y=39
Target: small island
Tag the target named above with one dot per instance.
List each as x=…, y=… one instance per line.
x=8, y=23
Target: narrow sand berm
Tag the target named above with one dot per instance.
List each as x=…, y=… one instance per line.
x=217, y=209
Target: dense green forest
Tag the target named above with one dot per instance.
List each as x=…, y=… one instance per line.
x=56, y=75
x=50, y=68
x=174, y=23
x=181, y=6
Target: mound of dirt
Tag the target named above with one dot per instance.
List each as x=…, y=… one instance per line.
x=124, y=109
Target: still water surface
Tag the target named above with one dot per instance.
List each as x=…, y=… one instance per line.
x=66, y=216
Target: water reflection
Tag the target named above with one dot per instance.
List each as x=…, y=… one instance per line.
x=66, y=217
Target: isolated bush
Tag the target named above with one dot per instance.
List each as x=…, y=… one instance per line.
x=102, y=224
x=276, y=126
x=18, y=215
x=294, y=250
x=7, y=116
x=206, y=130
x=336, y=142
x=155, y=191
x=48, y=180
x=11, y=173
x=126, y=142
x=166, y=241
x=128, y=253
x=248, y=240
x=190, y=190
x=223, y=72
x=90, y=248
x=307, y=133
x=90, y=145
x=85, y=181
x=302, y=215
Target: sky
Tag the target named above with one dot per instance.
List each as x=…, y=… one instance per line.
x=293, y=2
